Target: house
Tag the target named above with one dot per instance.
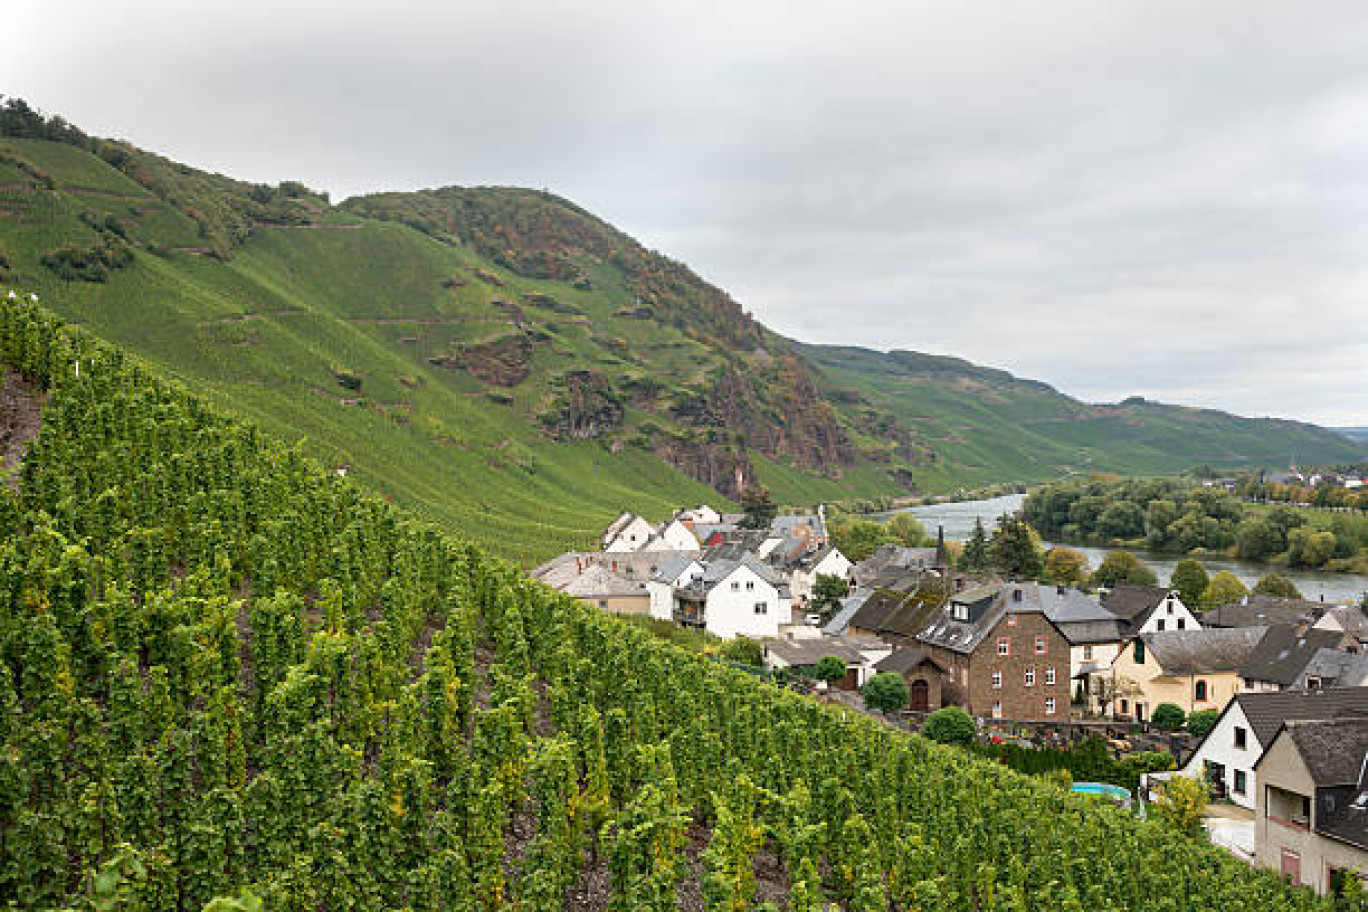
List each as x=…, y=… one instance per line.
x=699, y=514
x=1094, y=636
x=1005, y=659
x=1193, y=669
x=735, y=597
x=671, y=536
x=596, y=585
x=809, y=526
x=1264, y=611
x=677, y=572
x=1311, y=820
x=1349, y=618
x=804, y=570
x=626, y=533
x=859, y=654
x=1228, y=754
x=1284, y=652
x=926, y=678
x=898, y=617
x=1148, y=609
x=897, y=561
x=710, y=534
x=1333, y=668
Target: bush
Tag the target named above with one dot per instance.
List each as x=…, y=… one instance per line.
x=1168, y=716
x=829, y=669
x=1148, y=761
x=1203, y=721
x=951, y=725
x=886, y=692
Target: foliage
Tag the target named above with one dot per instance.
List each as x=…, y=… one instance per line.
x=886, y=692
x=950, y=725
x=760, y=510
x=1168, y=716
x=827, y=591
x=1201, y=722
x=1066, y=566
x=858, y=538
x=1276, y=585
x=1190, y=578
x=1225, y=588
x=1015, y=549
x=907, y=530
x=830, y=669
x=1182, y=799
x=975, y=555
x=1148, y=761
x=1120, y=567
x=744, y=650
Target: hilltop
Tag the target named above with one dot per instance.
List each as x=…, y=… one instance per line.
x=516, y=369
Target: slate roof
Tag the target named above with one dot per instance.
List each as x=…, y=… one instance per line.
x=1283, y=653
x=715, y=571
x=1266, y=712
x=1349, y=618
x=849, y=606
x=785, y=526
x=1203, y=651
x=1078, y=615
x=987, y=606
x=670, y=570
x=598, y=582
x=1332, y=749
x=1263, y=610
x=1335, y=668
x=890, y=611
x=905, y=659
x=1133, y=604
x=617, y=526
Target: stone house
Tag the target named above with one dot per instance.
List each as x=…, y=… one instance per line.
x=1004, y=657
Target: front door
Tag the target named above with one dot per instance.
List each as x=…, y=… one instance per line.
x=919, y=696
x=1291, y=867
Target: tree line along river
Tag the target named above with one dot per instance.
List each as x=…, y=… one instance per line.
x=958, y=522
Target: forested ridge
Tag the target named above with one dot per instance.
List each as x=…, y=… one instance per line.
x=225, y=672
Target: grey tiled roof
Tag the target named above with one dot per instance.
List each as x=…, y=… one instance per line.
x=809, y=652
x=1266, y=712
x=1284, y=652
x=672, y=567
x=1197, y=651
x=1257, y=610
x=905, y=659
x=1335, y=668
x=849, y=606
x=1332, y=749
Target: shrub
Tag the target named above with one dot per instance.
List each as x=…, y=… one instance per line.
x=886, y=692
x=742, y=650
x=951, y=725
x=829, y=669
x=1168, y=716
x=1148, y=761
x=1203, y=721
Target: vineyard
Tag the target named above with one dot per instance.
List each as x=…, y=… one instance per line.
x=228, y=676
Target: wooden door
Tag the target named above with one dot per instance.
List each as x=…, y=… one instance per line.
x=919, y=696
x=1291, y=867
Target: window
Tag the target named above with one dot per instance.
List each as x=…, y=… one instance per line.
x=1139, y=652
x=762, y=608
x=1182, y=624
x=1170, y=607
x=997, y=680
x=1241, y=782
x=1200, y=691
x=1004, y=647
x=997, y=709
x=1040, y=645
x=1049, y=706
x=1125, y=706
x=1030, y=677
x=750, y=585
x=1087, y=652
x=959, y=612
x=1313, y=683
x=736, y=586
x=1159, y=625
x=1241, y=737
x=603, y=603
x=1049, y=675
x=1011, y=620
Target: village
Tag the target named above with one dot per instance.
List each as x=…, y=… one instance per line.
x=1264, y=699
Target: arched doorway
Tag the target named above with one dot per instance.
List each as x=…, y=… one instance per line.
x=919, y=696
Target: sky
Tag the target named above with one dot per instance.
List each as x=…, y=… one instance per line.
x=1119, y=198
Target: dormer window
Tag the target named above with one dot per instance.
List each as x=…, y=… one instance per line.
x=959, y=612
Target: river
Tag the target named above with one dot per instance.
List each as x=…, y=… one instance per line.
x=958, y=521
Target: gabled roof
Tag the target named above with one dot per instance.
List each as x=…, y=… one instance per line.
x=1134, y=604
x=1203, y=651
x=1283, y=653
x=801, y=653
x=785, y=526
x=672, y=568
x=987, y=606
x=907, y=658
x=1263, y=610
x=850, y=605
x=598, y=582
x=1349, y=618
x=894, y=612
x=1078, y=615
x=1332, y=749
x=1266, y=712
x=617, y=525
x=715, y=571
x=1336, y=668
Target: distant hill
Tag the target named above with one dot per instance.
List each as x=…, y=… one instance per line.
x=1359, y=434
x=515, y=368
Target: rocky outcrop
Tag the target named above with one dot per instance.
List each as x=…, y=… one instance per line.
x=719, y=464
x=587, y=408
x=505, y=361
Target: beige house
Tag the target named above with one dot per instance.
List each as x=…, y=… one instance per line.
x=1192, y=669
x=1311, y=821
x=596, y=585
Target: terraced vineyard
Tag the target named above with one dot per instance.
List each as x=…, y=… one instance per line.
x=225, y=671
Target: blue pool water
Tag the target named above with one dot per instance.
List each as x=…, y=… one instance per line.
x=1114, y=792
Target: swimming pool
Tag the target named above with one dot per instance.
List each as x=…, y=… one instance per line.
x=1105, y=790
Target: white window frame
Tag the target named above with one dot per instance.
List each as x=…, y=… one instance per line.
x=1050, y=675
x=1004, y=646
x=1049, y=706
x=1030, y=676
x=762, y=607
x=1040, y=645
x=997, y=680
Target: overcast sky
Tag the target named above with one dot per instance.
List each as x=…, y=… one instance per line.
x=1162, y=199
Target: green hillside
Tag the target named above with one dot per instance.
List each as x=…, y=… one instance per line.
x=986, y=425
x=230, y=680
x=504, y=363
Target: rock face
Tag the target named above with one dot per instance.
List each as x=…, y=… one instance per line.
x=718, y=464
x=501, y=362
x=588, y=408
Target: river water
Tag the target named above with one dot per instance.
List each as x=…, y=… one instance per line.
x=958, y=521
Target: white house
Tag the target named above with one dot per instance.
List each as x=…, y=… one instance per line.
x=1149, y=609
x=671, y=536
x=1247, y=726
x=701, y=514
x=628, y=533
x=741, y=597
x=828, y=561
x=675, y=573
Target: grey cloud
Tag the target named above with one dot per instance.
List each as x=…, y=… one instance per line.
x=1160, y=198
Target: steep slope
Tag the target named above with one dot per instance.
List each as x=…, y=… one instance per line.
x=497, y=359
x=987, y=425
